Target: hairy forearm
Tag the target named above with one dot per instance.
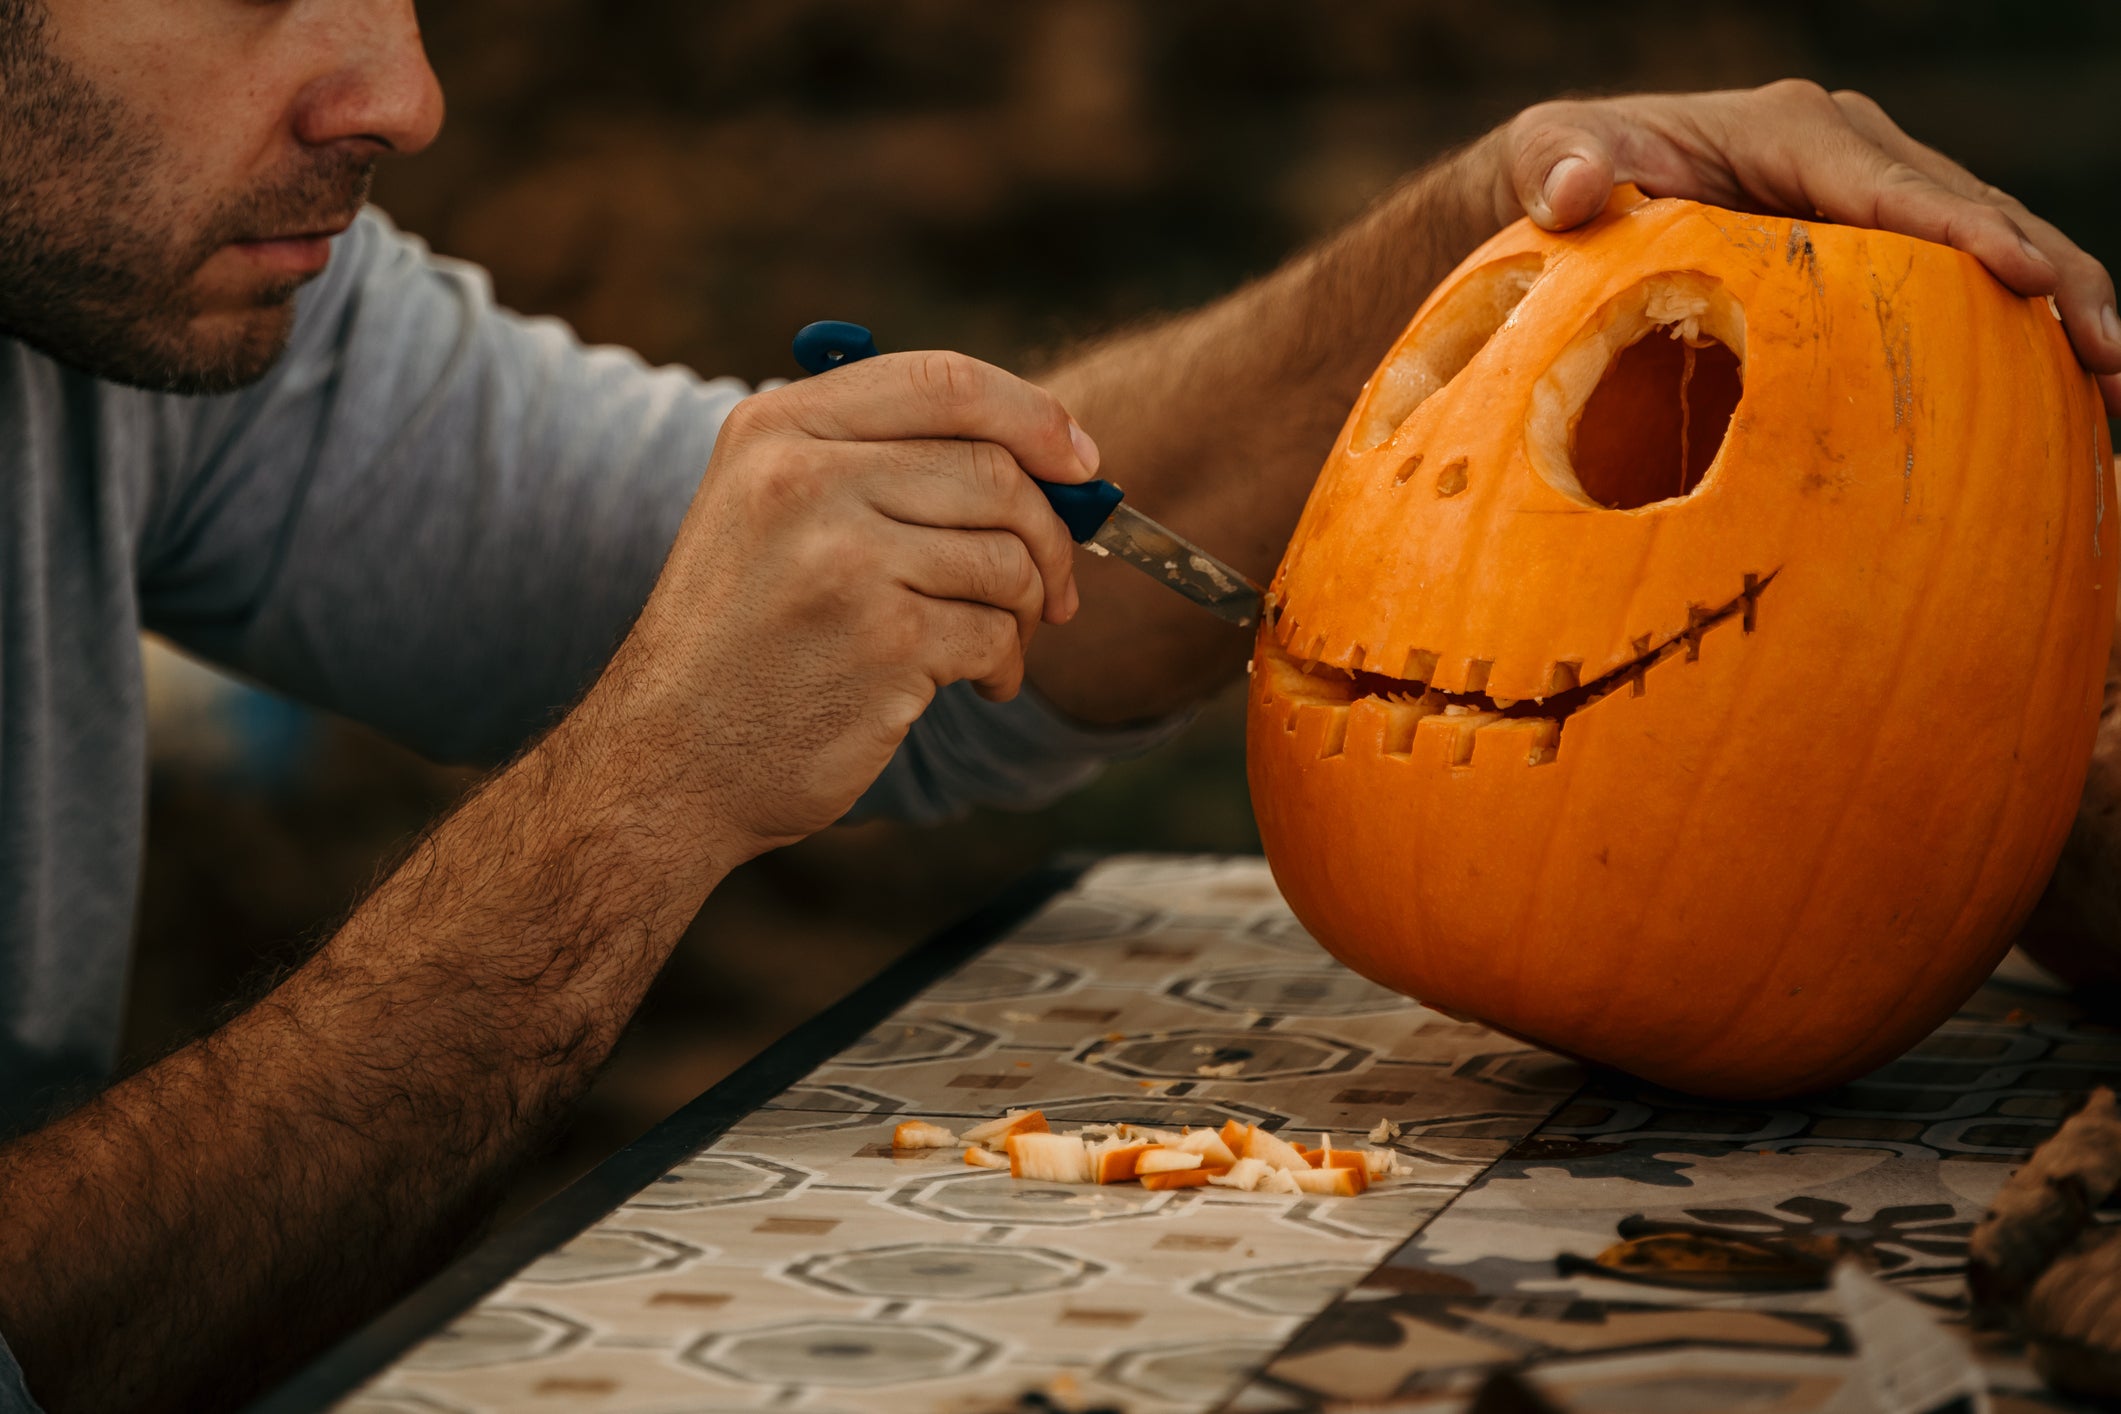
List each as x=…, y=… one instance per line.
x=1216, y=423
x=293, y=1170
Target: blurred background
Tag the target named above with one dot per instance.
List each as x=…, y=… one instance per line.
x=698, y=178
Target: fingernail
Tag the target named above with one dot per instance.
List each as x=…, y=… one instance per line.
x=1550, y=190
x=2110, y=326
x=1074, y=602
x=2034, y=253
x=1085, y=449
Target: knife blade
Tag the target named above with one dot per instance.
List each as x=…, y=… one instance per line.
x=1097, y=517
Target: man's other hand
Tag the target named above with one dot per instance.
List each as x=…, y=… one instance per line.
x=1794, y=149
x=860, y=540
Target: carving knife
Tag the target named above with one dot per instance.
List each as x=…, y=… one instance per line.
x=1097, y=516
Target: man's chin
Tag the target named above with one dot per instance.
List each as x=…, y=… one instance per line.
x=216, y=352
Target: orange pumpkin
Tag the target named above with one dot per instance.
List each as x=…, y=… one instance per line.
x=1690, y=654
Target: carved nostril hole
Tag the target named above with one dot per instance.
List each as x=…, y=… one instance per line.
x=1407, y=469
x=1452, y=479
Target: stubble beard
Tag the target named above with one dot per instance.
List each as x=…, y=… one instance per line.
x=99, y=256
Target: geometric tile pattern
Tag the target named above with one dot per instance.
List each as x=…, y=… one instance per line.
x=1895, y=1168
x=799, y=1263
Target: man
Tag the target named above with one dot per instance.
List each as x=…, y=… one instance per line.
x=246, y=415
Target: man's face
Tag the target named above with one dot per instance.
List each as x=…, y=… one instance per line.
x=171, y=171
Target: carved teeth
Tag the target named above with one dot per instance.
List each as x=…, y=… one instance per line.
x=1516, y=741
x=1321, y=728
x=1425, y=718
x=1384, y=726
x=1446, y=737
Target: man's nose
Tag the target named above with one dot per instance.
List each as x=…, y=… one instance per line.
x=374, y=86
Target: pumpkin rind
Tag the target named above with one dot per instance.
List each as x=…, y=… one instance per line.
x=1858, y=669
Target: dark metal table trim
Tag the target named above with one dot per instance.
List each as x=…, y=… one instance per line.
x=461, y=1285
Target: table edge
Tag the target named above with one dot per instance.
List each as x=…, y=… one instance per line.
x=448, y=1294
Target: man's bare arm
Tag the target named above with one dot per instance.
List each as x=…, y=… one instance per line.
x=296, y=1167
x=1216, y=422
x=858, y=541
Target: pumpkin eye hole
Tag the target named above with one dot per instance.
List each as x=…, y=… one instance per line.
x=1635, y=410
x=1449, y=336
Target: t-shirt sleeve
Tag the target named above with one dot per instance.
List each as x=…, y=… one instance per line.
x=439, y=518
x=432, y=515
x=14, y=1394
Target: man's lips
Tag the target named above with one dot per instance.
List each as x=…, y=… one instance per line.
x=298, y=253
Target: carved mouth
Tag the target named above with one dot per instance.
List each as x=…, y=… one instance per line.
x=1407, y=702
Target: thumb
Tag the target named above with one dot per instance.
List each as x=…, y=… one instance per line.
x=1563, y=174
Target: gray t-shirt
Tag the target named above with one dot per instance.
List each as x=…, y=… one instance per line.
x=434, y=516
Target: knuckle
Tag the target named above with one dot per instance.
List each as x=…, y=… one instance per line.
x=1021, y=580
x=1539, y=117
x=828, y=563
x=1537, y=129
x=997, y=637
x=1809, y=93
x=1000, y=569
x=1898, y=174
x=992, y=471
x=790, y=477
x=1056, y=422
x=748, y=418
x=944, y=377
x=1855, y=100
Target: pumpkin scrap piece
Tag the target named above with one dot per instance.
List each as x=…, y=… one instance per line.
x=920, y=1134
x=1056, y=1158
x=1246, y=1174
x=1115, y=1161
x=1273, y=1151
x=1208, y=1144
x=1146, y=1134
x=1158, y=1159
x=994, y=1133
x=1338, y=1181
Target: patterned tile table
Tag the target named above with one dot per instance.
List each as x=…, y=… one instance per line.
x=768, y=1250
x=1898, y=1166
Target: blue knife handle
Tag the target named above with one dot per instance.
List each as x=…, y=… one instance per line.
x=825, y=345
x=1083, y=506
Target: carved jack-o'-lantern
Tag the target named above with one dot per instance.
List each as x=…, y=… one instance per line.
x=1690, y=654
